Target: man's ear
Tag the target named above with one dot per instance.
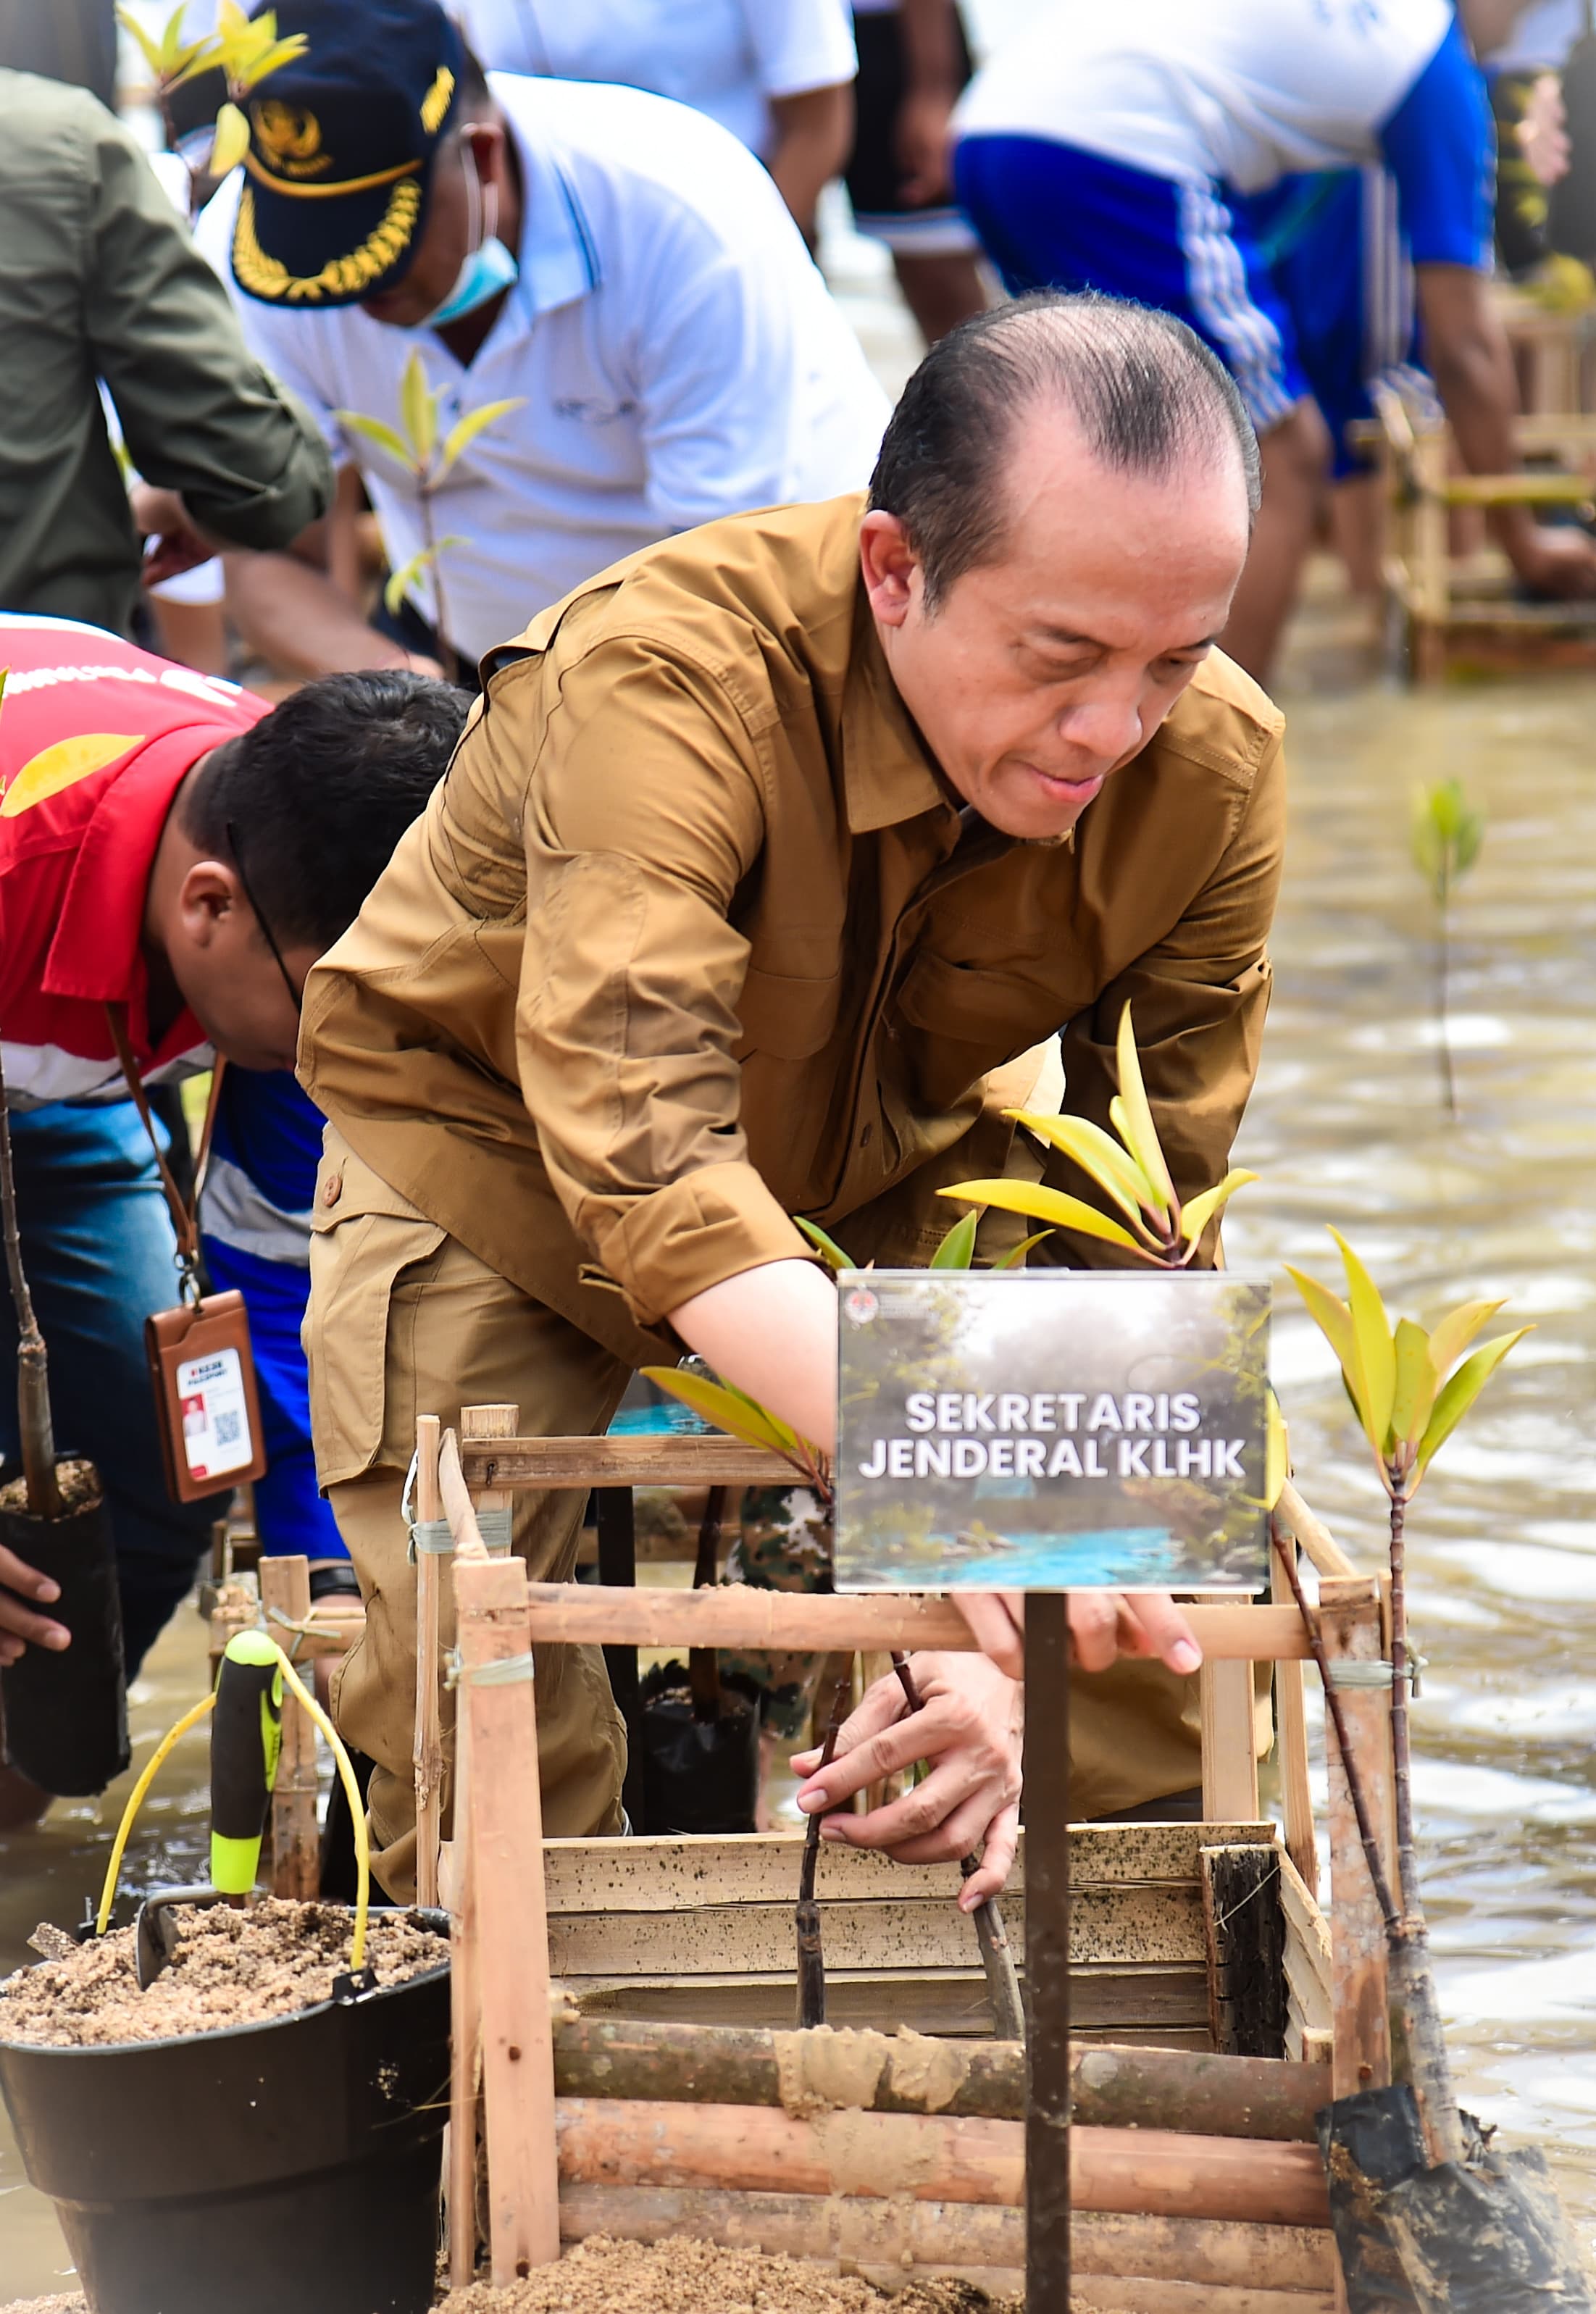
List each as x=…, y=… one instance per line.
x=207, y=897
x=889, y=566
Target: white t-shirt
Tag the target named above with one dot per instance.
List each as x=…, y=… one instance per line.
x=1243, y=91
x=678, y=356
x=725, y=57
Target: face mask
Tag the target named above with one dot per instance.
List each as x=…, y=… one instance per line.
x=489, y=268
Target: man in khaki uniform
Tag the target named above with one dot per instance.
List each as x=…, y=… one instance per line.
x=762, y=855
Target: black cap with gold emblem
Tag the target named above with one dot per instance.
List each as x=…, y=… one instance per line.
x=341, y=141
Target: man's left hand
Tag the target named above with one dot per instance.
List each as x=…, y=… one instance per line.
x=969, y=1728
x=161, y=516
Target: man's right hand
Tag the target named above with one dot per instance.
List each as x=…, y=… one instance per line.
x=1104, y=1625
x=19, y=1625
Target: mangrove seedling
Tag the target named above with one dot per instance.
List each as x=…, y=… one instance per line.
x=245, y=49
x=1131, y=1171
x=1409, y=1389
x=415, y=444
x=1447, y=835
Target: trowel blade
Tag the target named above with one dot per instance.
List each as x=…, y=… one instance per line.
x=155, y=1934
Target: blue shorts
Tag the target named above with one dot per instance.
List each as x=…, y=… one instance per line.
x=1054, y=216
x=1341, y=264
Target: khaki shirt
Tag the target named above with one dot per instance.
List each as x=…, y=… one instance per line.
x=692, y=938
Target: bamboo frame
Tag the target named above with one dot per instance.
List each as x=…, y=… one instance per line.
x=645, y=2148
x=427, y=1751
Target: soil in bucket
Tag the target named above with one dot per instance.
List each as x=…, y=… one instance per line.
x=240, y=2133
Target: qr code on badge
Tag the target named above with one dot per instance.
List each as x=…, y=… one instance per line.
x=229, y=1423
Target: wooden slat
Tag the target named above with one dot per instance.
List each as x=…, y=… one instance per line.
x=1165, y=2006
x=1350, y=1620
x=676, y=1874
x=683, y=1460
x=1229, y=1759
x=1319, y=1543
x=739, y=1616
x=1162, y=1921
x=1291, y=1715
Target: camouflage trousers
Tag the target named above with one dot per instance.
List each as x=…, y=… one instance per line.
x=783, y=1543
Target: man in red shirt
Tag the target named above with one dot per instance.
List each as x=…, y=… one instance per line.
x=169, y=844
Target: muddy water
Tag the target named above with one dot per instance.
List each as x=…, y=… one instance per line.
x=1348, y=1126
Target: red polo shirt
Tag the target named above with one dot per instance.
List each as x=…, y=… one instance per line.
x=79, y=828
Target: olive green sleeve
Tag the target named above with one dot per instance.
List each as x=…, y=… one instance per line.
x=199, y=413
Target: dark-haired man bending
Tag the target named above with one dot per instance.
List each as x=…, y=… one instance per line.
x=193, y=873
x=772, y=846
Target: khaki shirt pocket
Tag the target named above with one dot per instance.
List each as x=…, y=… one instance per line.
x=785, y=1016
x=364, y=1237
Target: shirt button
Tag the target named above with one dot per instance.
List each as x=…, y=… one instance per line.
x=332, y=1188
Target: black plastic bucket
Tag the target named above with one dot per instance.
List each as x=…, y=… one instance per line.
x=66, y=1715
x=294, y=2163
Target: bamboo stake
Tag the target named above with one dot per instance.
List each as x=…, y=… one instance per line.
x=480, y=1426
x=295, y=1842
x=457, y=1503
x=1319, y=1546
x=427, y=1750
x=459, y=1891
x=1296, y=1790
x=1229, y=1752
x=505, y=1837
x=1160, y=2173
x=740, y=1616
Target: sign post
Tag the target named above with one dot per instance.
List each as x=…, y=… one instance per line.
x=1047, y=1431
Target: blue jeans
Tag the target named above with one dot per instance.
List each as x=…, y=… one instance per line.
x=98, y=1247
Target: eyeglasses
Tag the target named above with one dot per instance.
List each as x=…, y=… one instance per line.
x=266, y=931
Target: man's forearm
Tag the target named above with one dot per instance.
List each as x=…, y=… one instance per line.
x=1471, y=363
x=299, y=622
x=773, y=1332
x=814, y=131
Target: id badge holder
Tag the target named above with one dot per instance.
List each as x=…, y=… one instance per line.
x=208, y=1406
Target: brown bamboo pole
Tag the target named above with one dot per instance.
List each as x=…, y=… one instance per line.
x=1319, y=1546
x=296, y=1840
x=458, y=1889
x=895, y=2236
x=739, y=1616
x=1349, y=1624
x=1158, y=2173
x=427, y=1748
x=1291, y=1714
x=481, y=1426
x=1189, y=2090
x=507, y=1863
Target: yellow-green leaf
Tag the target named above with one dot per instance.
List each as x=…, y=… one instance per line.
x=1017, y=1259
x=1331, y=1315
x=729, y=1410
x=465, y=430
x=1460, y=1392
x=230, y=141
x=1276, y=1454
x=1196, y=1216
x=1044, y=1204
x=957, y=1248
x=62, y=767
x=401, y=580
x=374, y=430
x=785, y=1437
x=281, y=52
x=418, y=408
x=148, y=49
x=1456, y=1330
x=1374, y=1353
x=1112, y=1168
x=1141, y=1134
x=828, y=1248
x=1415, y=1394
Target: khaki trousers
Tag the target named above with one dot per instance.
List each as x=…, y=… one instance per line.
x=403, y=1320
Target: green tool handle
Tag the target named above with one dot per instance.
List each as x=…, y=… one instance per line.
x=245, y=1743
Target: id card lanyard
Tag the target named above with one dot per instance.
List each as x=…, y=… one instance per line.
x=202, y=1368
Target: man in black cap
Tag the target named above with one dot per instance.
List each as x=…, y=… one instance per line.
x=615, y=274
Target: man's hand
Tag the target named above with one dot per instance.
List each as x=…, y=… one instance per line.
x=18, y=1624
x=920, y=142
x=160, y=514
x=1103, y=1624
x=1560, y=564
x=969, y=1728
